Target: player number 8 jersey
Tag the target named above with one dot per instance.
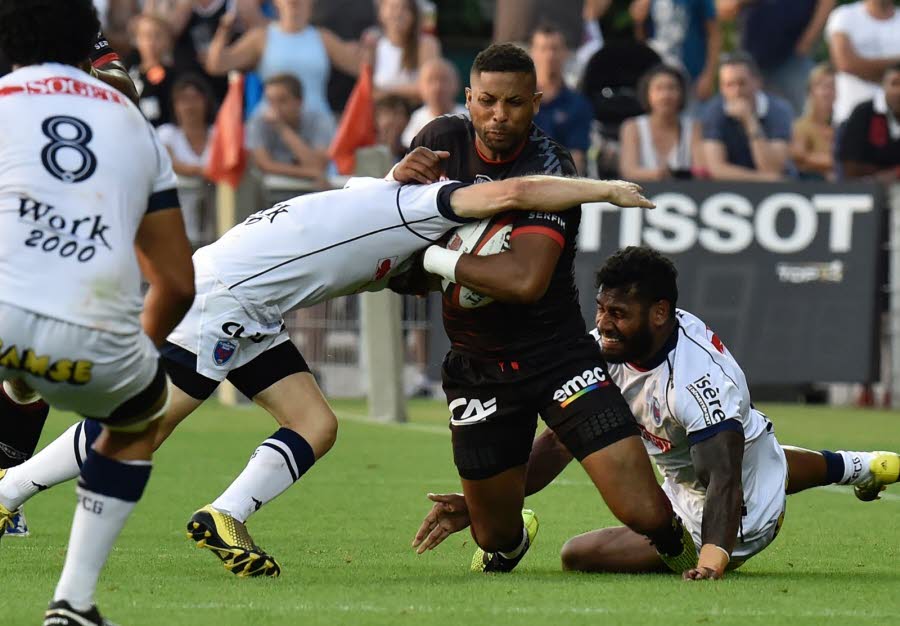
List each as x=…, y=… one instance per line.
x=79, y=169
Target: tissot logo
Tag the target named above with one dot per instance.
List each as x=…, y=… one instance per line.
x=729, y=223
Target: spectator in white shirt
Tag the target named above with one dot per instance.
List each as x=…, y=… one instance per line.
x=438, y=85
x=188, y=143
x=401, y=49
x=864, y=40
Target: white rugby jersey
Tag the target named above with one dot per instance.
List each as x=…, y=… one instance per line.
x=696, y=387
x=320, y=246
x=79, y=168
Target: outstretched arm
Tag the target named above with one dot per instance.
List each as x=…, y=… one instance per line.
x=543, y=193
x=717, y=462
x=522, y=274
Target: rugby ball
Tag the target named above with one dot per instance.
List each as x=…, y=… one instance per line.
x=482, y=238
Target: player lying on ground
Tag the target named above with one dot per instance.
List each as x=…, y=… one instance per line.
x=296, y=254
x=527, y=336
x=19, y=437
x=80, y=210
x=725, y=473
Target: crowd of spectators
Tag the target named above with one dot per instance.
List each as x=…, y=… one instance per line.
x=806, y=89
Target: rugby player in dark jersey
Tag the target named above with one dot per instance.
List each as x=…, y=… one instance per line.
x=527, y=352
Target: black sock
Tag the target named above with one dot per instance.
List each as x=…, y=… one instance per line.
x=20, y=429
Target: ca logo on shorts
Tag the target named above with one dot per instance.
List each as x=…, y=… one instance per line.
x=223, y=351
x=476, y=411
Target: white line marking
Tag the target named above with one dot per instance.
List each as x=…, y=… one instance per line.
x=482, y=610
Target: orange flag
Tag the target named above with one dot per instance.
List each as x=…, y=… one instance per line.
x=227, y=157
x=357, y=127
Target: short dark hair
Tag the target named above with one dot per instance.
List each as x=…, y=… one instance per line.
x=740, y=57
x=289, y=82
x=643, y=271
x=643, y=87
x=195, y=81
x=504, y=57
x=894, y=67
x=548, y=27
x=48, y=31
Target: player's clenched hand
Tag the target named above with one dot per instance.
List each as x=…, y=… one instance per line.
x=421, y=166
x=625, y=194
x=701, y=573
x=448, y=515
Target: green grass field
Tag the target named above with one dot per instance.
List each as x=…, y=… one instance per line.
x=342, y=536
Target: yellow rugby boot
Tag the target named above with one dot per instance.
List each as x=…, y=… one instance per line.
x=229, y=540
x=7, y=517
x=885, y=470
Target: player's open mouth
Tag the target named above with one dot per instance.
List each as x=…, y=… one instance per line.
x=609, y=341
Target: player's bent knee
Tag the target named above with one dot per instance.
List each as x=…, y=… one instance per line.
x=575, y=556
x=591, y=552
x=318, y=428
x=327, y=434
x=130, y=444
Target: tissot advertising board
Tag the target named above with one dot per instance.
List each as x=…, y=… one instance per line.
x=787, y=275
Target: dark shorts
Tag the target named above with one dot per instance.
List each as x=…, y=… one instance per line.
x=494, y=407
x=259, y=374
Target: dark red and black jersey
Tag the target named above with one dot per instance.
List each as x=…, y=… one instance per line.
x=502, y=330
x=102, y=54
x=868, y=136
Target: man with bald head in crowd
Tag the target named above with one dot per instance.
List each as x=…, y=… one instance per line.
x=438, y=85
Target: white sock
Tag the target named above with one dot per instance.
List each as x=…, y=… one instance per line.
x=99, y=519
x=276, y=464
x=54, y=464
x=856, y=467
x=265, y=477
x=18, y=398
x=522, y=545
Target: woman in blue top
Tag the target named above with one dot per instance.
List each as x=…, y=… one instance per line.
x=288, y=45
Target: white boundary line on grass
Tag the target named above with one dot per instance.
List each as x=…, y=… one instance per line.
x=366, y=607
x=443, y=430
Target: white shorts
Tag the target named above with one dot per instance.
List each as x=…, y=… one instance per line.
x=764, y=499
x=220, y=332
x=82, y=369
